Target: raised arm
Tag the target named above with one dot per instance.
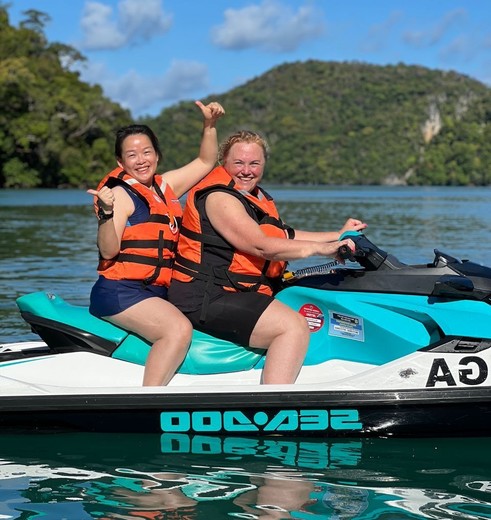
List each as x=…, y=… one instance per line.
x=183, y=179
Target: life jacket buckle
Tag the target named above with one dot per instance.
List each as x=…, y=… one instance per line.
x=173, y=225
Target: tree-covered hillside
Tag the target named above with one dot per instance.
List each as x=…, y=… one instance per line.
x=326, y=122
x=354, y=123
x=55, y=130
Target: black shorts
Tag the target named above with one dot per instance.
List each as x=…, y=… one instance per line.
x=231, y=316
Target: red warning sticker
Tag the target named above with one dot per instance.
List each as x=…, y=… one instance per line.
x=313, y=315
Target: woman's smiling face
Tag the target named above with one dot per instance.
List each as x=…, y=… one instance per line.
x=139, y=158
x=245, y=164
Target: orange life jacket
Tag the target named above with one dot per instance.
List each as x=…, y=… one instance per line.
x=147, y=249
x=203, y=254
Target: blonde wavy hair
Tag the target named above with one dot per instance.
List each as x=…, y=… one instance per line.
x=241, y=136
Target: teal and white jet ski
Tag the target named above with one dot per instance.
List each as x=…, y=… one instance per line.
x=395, y=349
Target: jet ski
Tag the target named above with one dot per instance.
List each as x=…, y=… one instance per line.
x=395, y=350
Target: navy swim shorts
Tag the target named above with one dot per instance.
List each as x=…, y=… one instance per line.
x=109, y=297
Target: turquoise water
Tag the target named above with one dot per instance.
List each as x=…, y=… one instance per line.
x=47, y=242
x=83, y=476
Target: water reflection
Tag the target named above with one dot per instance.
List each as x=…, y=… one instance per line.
x=134, y=476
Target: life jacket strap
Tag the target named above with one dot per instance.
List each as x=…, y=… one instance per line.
x=220, y=276
x=216, y=241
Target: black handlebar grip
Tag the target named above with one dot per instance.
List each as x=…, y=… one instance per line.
x=345, y=253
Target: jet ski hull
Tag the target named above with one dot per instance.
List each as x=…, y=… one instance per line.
x=288, y=411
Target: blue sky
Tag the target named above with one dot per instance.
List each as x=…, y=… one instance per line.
x=149, y=54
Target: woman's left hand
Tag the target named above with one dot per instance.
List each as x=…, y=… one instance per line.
x=212, y=111
x=352, y=224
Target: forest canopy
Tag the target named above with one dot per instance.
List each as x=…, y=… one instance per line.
x=326, y=122
x=354, y=123
x=55, y=130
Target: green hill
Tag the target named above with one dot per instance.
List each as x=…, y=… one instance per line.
x=326, y=122
x=55, y=130
x=353, y=123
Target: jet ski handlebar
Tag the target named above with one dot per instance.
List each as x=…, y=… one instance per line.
x=366, y=253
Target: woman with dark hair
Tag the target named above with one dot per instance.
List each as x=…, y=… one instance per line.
x=139, y=218
x=232, y=253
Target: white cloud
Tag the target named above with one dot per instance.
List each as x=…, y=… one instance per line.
x=139, y=93
x=433, y=35
x=464, y=49
x=137, y=21
x=270, y=26
x=142, y=20
x=453, y=38
x=378, y=34
x=100, y=32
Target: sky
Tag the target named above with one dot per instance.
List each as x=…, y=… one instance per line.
x=150, y=54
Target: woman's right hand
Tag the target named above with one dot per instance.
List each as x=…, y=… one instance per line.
x=343, y=244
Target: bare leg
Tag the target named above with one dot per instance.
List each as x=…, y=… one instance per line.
x=169, y=331
x=285, y=333
x=286, y=495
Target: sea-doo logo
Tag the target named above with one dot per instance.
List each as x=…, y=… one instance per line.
x=314, y=455
x=474, y=373
x=281, y=421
